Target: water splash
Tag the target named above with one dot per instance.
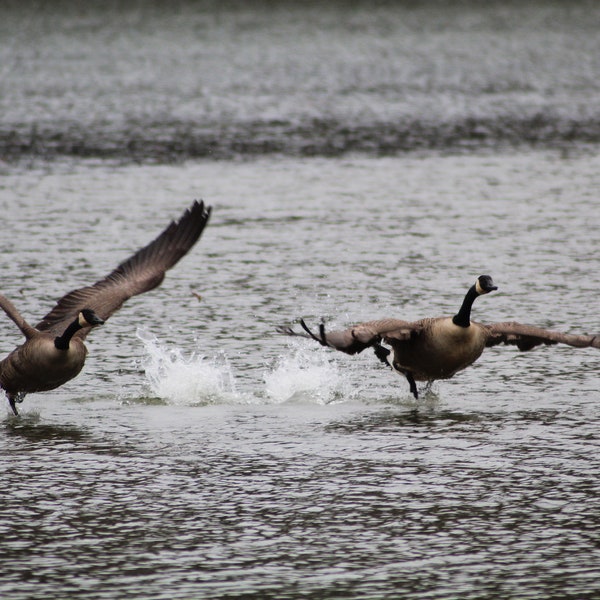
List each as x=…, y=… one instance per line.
x=183, y=380
x=304, y=376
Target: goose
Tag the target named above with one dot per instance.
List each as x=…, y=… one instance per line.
x=54, y=351
x=438, y=348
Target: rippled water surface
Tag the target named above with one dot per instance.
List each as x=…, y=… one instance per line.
x=202, y=455
x=158, y=81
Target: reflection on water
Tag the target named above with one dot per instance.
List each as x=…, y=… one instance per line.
x=388, y=420
x=30, y=427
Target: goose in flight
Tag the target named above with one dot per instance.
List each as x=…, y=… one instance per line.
x=54, y=351
x=440, y=347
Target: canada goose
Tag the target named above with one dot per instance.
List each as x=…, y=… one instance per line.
x=54, y=352
x=438, y=348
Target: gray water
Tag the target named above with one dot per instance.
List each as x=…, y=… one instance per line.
x=200, y=454
x=168, y=80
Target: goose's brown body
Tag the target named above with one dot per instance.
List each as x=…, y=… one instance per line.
x=54, y=351
x=38, y=366
x=438, y=348
x=443, y=352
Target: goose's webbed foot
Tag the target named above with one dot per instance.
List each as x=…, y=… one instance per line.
x=13, y=399
x=321, y=338
x=429, y=386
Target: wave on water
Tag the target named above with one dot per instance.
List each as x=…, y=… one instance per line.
x=303, y=376
x=166, y=142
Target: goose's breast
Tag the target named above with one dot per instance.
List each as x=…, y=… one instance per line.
x=38, y=365
x=442, y=350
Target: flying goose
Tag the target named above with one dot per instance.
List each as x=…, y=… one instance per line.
x=54, y=352
x=438, y=348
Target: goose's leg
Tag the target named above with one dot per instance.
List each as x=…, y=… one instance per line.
x=382, y=354
x=413, y=385
x=11, y=400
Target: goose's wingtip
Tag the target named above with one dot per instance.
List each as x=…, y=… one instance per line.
x=285, y=330
x=199, y=205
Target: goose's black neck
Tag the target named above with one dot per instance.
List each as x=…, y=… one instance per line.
x=62, y=342
x=463, y=317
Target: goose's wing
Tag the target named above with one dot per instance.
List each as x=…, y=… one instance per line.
x=526, y=337
x=140, y=273
x=355, y=339
x=11, y=310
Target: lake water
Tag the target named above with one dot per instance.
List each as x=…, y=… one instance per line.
x=362, y=161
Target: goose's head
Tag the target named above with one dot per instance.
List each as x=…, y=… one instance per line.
x=88, y=318
x=485, y=285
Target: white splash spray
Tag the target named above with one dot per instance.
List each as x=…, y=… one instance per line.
x=304, y=376
x=185, y=380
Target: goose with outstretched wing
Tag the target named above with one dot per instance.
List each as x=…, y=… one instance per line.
x=54, y=351
x=440, y=347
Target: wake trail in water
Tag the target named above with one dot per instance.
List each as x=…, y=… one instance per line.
x=301, y=376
